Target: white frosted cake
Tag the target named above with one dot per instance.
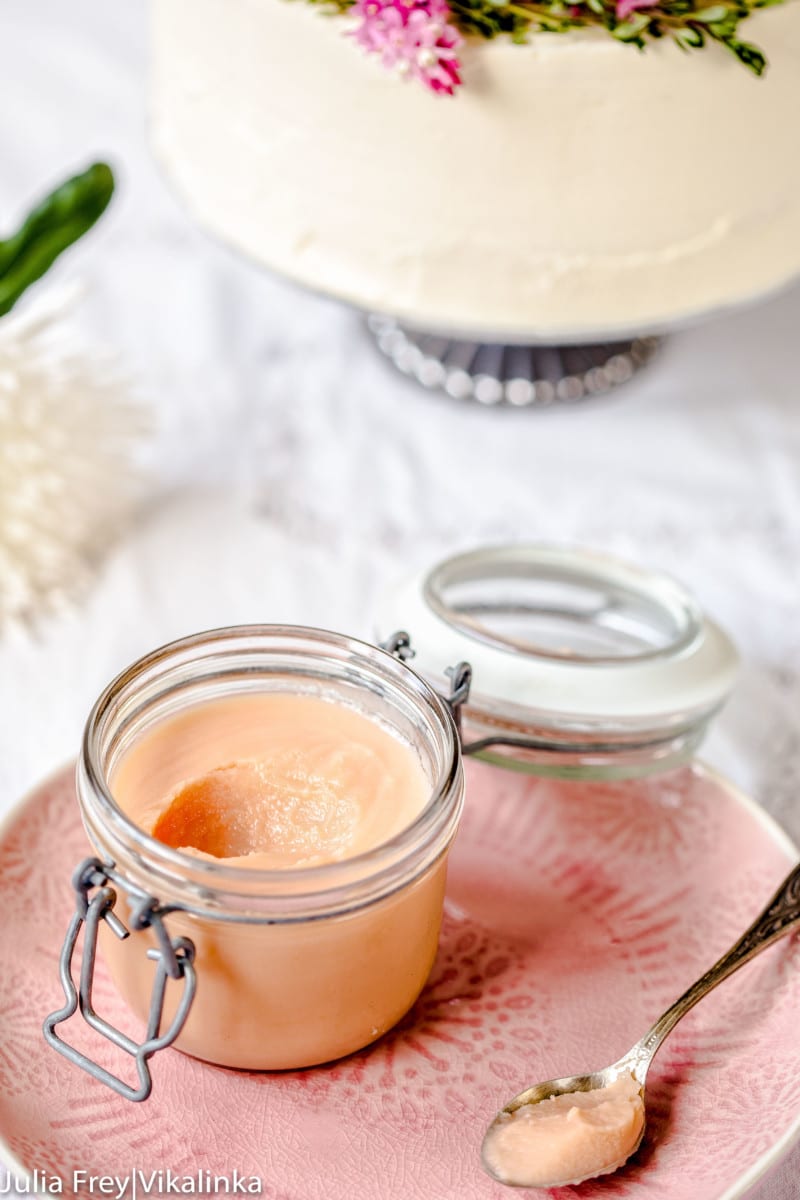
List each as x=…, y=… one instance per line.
x=573, y=186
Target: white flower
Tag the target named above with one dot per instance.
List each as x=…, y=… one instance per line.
x=68, y=427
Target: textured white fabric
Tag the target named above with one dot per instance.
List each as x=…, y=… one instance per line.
x=293, y=476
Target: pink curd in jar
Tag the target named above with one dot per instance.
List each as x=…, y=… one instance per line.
x=271, y=782
x=281, y=782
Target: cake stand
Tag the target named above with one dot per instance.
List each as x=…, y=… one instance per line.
x=520, y=375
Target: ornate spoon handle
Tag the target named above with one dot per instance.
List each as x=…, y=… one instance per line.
x=780, y=917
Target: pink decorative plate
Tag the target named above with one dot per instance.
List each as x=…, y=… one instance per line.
x=575, y=913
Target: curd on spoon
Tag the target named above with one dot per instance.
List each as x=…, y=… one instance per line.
x=567, y=1130
x=567, y=1138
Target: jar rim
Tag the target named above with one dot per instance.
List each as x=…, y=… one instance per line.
x=377, y=865
x=597, y=595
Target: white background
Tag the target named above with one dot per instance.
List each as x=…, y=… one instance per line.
x=292, y=477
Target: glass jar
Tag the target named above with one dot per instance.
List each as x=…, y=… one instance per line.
x=292, y=967
x=593, y=683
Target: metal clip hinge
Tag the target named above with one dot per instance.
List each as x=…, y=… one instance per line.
x=174, y=959
x=399, y=645
x=460, y=677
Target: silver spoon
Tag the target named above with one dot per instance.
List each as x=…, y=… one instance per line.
x=780, y=917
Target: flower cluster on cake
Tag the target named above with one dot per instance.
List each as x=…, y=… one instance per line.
x=420, y=39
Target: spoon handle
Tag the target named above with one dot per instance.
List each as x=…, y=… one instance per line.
x=780, y=917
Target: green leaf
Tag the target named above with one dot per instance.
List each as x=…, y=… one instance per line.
x=632, y=29
x=710, y=16
x=56, y=222
x=723, y=31
x=748, y=54
x=690, y=38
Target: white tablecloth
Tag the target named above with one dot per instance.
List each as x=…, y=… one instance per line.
x=293, y=475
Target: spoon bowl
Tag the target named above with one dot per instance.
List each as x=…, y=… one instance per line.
x=634, y=1064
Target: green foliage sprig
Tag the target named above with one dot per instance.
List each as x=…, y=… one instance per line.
x=690, y=23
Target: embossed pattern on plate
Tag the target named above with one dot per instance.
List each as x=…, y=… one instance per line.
x=575, y=913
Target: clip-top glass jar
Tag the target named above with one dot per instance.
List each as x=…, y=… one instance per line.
x=272, y=968
x=586, y=673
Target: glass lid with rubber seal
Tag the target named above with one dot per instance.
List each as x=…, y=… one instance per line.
x=579, y=660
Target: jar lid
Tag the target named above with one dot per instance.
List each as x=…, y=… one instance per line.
x=566, y=640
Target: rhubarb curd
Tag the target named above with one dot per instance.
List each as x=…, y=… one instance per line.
x=271, y=781
x=318, y=925
x=569, y=1138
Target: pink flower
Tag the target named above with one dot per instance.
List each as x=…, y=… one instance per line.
x=414, y=37
x=626, y=7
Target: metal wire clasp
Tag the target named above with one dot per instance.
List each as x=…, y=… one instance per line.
x=174, y=959
x=399, y=645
